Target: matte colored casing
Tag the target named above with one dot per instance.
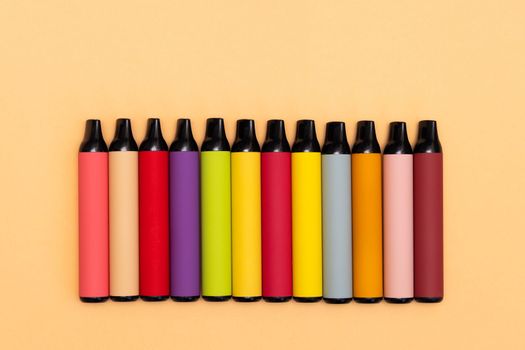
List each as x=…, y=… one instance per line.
x=246, y=223
x=276, y=202
x=93, y=224
x=216, y=224
x=367, y=225
x=306, y=225
x=398, y=226
x=154, y=228
x=428, y=225
x=184, y=224
x=124, y=224
x=337, y=226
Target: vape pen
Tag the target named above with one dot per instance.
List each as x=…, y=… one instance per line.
x=153, y=208
x=428, y=214
x=276, y=212
x=306, y=214
x=93, y=215
x=123, y=214
x=184, y=215
x=337, y=220
x=216, y=213
x=398, y=231
x=367, y=215
x=246, y=213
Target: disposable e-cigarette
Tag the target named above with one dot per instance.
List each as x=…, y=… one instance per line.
x=337, y=220
x=246, y=213
x=428, y=214
x=398, y=230
x=184, y=215
x=306, y=214
x=276, y=212
x=93, y=215
x=123, y=214
x=367, y=250
x=153, y=208
x=216, y=213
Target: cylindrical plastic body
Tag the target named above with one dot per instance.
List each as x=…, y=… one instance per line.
x=367, y=226
x=216, y=224
x=337, y=227
x=246, y=224
x=276, y=213
x=428, y=226
x=398, y=226
x=154, y=228
x=306, y=225
x=93, y=226
x=124, y=224
x=184, y=224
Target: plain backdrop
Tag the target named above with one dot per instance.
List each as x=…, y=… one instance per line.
x=459, y=62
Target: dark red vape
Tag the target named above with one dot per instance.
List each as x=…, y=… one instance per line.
x=428, y=215
x=276, y=216
x=154, y=215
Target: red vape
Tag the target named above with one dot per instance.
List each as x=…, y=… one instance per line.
x=276, y=207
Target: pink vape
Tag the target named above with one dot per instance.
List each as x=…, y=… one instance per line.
x=398, y=231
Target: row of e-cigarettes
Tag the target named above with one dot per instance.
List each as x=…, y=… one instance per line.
x=250, y=222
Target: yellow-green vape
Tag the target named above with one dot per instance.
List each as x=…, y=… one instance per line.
x=216, y=213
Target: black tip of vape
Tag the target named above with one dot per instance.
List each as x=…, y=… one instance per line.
x=276, y=140
x=123, y=140
x=398, y=300
x=307, y=299
x=335, y=141
x=215, y=137
x=337, y=300
x=428, y=299
x=216, y=298
x=246, y=299
x=124, y=299
x=93, y=140
x=184, y=141
x=398, y=139
x=154, y=298
x=365, y=138
x=427, y=138
x=305, y=137
x=185, y=299
x=277, y=299
x=368, y=300
x=92, y=300
x=153, y=140
x=245, y=138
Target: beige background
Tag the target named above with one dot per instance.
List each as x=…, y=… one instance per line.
x=461, y=62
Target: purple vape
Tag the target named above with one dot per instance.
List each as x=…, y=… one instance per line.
x=184, y=215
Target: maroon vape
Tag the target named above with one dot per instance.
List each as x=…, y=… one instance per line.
x=428, y=215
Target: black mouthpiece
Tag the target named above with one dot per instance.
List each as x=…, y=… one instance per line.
x=398, y=139
x=245, y=138
x=123, y=140
x=427, y=138
x=93, y=140
x=153, y=140
x=335, y=141
x=305, y=137
x=215, y=138
x=276, y=140
x=365, y=138
x=184, y=141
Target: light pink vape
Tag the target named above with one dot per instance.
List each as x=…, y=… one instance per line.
x=398, y=231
